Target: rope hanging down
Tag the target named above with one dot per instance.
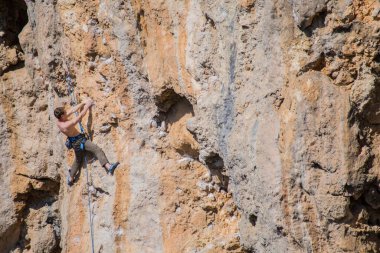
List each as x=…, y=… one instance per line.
x=70, y=89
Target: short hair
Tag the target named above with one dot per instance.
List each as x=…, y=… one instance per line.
x=58, y=112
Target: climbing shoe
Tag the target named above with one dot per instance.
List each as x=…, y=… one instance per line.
x=113, y=168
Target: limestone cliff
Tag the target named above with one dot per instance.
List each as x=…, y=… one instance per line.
x=241, y=126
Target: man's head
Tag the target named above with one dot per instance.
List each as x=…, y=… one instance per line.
x=60, y=113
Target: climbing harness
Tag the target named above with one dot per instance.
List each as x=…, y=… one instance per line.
x=73, y=140
x=76, y=142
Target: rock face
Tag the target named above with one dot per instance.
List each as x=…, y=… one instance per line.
x=241, y=126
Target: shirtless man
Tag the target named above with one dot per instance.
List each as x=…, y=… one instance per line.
x=78, y=141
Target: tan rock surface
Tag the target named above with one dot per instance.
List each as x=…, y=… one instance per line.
x=241, y=126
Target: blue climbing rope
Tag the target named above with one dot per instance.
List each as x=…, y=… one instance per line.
x=70, y=89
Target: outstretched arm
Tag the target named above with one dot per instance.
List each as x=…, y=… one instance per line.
x=78, y=118
x=75, y=108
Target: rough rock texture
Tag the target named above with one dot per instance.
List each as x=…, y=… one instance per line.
x=241, y=126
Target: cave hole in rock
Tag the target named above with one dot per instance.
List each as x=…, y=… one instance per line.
x=166, y=100
x=216, y=166
x=366, y=209
x=173, y=112
x=376, y=58
x=252, y=219
x=13, y=21
x=214, y=161
x=13, y=18
x=40, y=202
x=317, y=22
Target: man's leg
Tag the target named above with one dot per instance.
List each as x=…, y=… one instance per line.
x=98, y=152
x=76, y=164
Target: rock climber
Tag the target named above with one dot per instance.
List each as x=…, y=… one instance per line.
x=78, y=141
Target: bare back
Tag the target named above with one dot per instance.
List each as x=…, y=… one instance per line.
x=67, y=125
x=68, y=129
